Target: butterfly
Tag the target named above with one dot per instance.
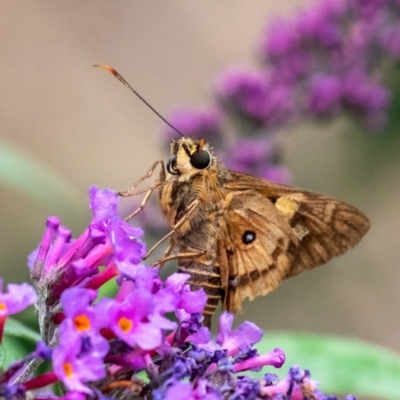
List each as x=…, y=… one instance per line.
x=239, y=236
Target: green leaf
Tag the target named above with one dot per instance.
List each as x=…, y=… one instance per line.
x=23, y=174
x=341, y=365
x=19, y=330
x=18, y=341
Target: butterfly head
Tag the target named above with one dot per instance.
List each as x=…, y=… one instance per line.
x=189, y=156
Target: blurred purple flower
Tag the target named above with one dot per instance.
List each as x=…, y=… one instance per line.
x=185, y=391
x=17, y=298
x=338, y=44
x=200, y=123
x=243, y=91
x=325, y=95
x=258, y=157
x=255, y=95
x=391, y=40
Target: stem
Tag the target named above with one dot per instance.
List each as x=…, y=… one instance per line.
x=151, y=369
x=29, y=370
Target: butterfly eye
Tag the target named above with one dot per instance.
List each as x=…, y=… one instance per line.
x=200, y=159
x=248, y=237
x=171, y=166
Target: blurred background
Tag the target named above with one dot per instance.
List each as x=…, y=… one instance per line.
x=65, y=126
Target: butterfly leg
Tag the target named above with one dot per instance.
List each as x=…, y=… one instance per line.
x=190, y=210
x=128, y=192
x=178, y=256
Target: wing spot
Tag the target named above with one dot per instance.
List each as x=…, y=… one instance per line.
x=248, y=237
x=254, y=275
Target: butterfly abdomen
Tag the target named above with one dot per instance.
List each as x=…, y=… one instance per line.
x=208, y=278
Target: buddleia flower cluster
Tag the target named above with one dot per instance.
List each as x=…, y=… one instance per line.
x=328, y=60
x=148, y=342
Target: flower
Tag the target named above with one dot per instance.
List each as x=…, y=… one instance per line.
x=258, y=157
x=185, y=391
x=79, y=313
x=243, y=91
x=297, y=385
x=325, y=95
x=246, y=334
x=199, y=123
x=131, y=320
x=77, y=360
x=16, y=299
x=190, y=302
x=332, y=54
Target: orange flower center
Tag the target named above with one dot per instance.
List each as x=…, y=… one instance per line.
x=3, y=307
x=82, y=323
x=125, y=324
x=68, y=370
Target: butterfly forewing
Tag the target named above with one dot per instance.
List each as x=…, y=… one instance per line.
x=293, y=230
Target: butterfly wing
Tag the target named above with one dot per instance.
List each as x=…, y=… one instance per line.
x=288, y=230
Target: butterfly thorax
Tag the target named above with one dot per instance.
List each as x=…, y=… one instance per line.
x=189, y=185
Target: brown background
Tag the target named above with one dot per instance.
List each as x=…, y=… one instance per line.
x=84, y=127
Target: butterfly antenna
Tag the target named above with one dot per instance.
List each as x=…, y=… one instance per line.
x=124, y=82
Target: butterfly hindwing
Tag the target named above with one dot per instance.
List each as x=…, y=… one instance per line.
x=293, y=230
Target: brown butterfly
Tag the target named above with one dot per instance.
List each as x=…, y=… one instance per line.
x=239, y=236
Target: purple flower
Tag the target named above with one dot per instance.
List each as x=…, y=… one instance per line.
x=295, y=386
x=201, y=123
x=73, y=396
x=103, y=204
x=80, y=314
x=190, y=302
x=364, y=95
x=244, y=335
x=131, y=320
x=180, y=391
x=39, y=254
x=16, y=299
x=322, y=23
x=275, y=357
x=337, y=44
x=257, y=157
x=77, y=360
x=255, y=95
x=391, y=40
x=185, y=391
x=281, y=39
x=128, y=249
x=325, y=95
x=244, y=91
